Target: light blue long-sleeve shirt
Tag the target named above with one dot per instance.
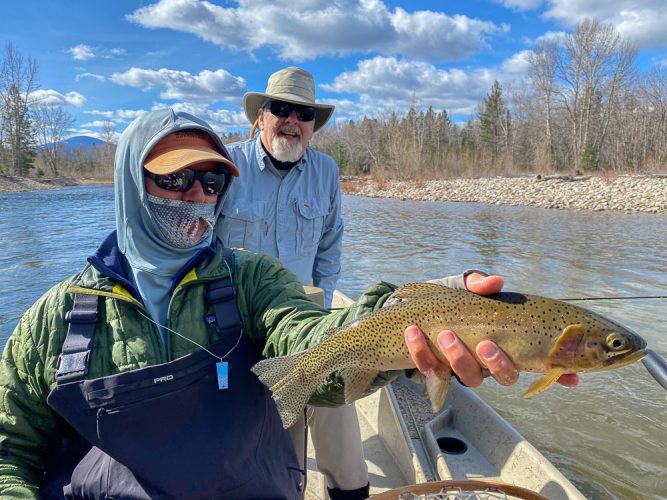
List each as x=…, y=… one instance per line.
x=295, y=217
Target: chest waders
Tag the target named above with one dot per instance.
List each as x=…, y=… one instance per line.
x=167, y=431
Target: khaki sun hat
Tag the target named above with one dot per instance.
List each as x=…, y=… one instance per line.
x=183, y=149
x=293, y=85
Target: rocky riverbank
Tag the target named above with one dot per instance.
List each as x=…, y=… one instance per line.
x=13, y=184
x=625, y=193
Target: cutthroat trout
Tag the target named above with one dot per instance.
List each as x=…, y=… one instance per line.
x=538, y=334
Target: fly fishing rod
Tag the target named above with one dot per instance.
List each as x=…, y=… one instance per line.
x=656, y=366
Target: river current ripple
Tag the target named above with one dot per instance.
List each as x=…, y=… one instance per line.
x=608, y=435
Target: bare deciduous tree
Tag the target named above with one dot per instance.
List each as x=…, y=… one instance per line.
x=110, y=138
x=51, y=124
x=595, y=65
x=542, y=75
x=654, y=92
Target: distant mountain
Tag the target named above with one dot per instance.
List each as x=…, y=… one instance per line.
x=82, y=141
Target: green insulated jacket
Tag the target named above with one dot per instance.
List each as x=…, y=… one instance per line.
x=276, y=314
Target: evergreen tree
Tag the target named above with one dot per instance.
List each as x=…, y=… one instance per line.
x=18, y=137
x=494, y=122
x=17, y=82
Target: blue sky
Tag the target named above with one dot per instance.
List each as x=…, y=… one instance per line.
x=107, y=62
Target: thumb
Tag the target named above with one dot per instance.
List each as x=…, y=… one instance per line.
x=483, y=285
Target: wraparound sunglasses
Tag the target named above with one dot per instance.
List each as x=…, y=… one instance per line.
x=212, y=182
x=283, y=109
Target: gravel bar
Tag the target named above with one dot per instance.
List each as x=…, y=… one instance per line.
x=625, y=193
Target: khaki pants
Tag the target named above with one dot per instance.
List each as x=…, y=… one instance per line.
x=339, y=451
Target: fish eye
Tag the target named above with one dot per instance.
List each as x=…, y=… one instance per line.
x=615, y=342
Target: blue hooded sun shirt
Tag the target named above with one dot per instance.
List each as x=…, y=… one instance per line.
x=152, y=260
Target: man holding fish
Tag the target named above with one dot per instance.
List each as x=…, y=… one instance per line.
x=135, y=378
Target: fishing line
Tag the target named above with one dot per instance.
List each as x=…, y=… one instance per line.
x=572, y=299
x=617, y=298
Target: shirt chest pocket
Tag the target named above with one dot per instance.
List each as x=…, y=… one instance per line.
x=310, y=216
x=243, y=226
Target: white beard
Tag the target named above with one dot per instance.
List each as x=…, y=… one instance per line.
x=283, y=150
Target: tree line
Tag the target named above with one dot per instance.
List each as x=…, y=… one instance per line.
x=584, y=107
x=32, y=130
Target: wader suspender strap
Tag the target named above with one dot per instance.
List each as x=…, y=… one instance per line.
x=73, y=361
x=220, y=296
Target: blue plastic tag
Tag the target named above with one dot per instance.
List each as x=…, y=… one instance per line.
x=223, y=374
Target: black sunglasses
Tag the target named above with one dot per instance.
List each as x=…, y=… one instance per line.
x=211, y=182
x=283, y=109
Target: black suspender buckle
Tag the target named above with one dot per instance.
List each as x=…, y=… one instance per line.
x=75, y=355
x=73, y=366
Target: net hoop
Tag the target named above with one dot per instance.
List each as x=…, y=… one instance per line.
x=468, y=485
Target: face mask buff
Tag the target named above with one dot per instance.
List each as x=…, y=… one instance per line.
x=180, y=221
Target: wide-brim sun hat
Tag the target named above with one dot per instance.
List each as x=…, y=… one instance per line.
x=184, y=149
x=294, y=85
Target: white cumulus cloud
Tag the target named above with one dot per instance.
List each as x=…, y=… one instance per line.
x=641, y=21
x=388, y=83
x=54, y=98
x=82, y=52
x=520, y=4
x=81, y=76
x=206, y=87
x=321, y=27
x=220, y=120
x=117, y=115
x=99, y=124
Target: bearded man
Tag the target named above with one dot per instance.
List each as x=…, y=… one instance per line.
x=288, y=204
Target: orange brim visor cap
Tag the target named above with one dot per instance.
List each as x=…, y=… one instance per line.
x=178, y=151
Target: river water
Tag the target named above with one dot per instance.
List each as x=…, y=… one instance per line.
x=608, y=435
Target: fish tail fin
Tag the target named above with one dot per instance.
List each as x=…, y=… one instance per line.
x=544, y=382
x=437, y=386
x=290, y=385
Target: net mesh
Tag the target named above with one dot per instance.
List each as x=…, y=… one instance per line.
x=457, y=494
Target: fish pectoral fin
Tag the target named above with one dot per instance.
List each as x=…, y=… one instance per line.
x=567, y=342
x=357, y=381
x=544, y=382
x=437, y=386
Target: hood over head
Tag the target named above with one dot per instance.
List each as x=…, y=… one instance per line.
x=153, y=261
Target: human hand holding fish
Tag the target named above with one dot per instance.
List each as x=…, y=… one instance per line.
x=536, y=334
x=494, y=361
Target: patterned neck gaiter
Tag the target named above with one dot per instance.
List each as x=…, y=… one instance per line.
x=180, y=221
